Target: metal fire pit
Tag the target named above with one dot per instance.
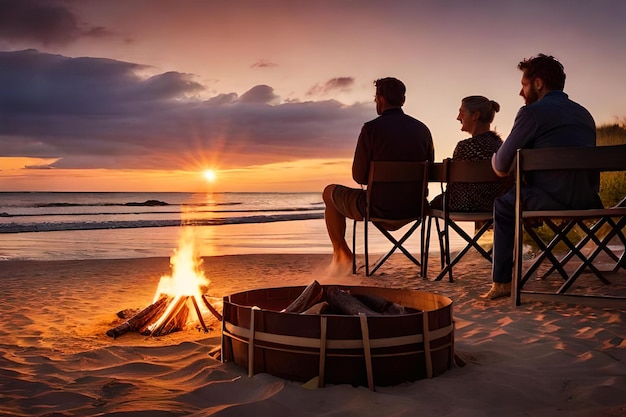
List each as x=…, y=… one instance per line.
x=339, y=349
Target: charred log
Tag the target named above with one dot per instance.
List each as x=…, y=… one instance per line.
x=199, y=314
x=380, y=304
x=345, y=302
x=212, y=309
x=311, y=295
x=317, y=309
x=177, y=313
x=140, y=319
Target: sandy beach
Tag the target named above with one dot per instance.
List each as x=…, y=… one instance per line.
x=539, y=359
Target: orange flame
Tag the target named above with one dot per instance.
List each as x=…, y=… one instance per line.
x=187, y=277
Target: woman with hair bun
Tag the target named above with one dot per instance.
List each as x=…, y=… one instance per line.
x=475, y=114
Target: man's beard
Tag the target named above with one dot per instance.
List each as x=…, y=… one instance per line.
x=533, y=95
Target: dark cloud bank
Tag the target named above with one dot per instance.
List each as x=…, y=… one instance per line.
x=101, y=113
x=45, y=22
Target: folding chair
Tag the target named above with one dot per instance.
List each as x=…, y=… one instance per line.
x=460, y=171
x=599, y=227
x=407, y=182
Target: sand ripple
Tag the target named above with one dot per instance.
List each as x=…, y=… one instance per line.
x=539, y=359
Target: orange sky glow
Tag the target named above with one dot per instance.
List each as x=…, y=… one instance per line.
x=304, y=175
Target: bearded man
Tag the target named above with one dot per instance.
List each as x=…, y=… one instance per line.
x=548, y=119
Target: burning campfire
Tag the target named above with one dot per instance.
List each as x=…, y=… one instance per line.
x=179, y=300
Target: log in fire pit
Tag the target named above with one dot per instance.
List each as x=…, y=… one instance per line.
x=349, y=343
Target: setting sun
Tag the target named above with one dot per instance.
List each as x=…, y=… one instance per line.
x=209, y=175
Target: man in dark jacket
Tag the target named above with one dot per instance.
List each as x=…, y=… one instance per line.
x=393, y=136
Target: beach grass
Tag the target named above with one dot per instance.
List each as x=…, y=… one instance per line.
x=612, y=184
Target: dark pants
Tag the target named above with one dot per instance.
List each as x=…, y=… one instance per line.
x=504, y=227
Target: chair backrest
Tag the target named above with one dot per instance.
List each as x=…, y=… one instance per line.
x=461, y=171
x=461, y=175
x=397, y=189
x=436, y=172
x=576, y=158
x=600, y=158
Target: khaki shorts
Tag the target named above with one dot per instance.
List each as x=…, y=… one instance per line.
x=349, y=201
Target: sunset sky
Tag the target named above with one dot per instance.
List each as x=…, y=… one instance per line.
x=144, y=95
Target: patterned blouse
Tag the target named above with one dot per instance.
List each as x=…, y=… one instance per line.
x=475, y=197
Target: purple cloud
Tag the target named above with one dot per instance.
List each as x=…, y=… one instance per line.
x=259, y=94
x=45, y=22
x=332, y=85
x=100, y=113
x=263, y=63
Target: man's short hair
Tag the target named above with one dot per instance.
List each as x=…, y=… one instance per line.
x=546, y=67
x=392, y=89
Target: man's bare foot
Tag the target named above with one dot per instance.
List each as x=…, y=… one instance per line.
x=339, y=269
x=342, y=258
x=341, y=264
x=498, y=290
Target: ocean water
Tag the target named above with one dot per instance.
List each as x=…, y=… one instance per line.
x=105, y=225
x=62, y=211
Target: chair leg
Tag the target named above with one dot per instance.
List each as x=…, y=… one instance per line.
x=546, y=251
x=354, y=247
x=560, y=235
x=444, y=245
x=446, y=237
x=471, y=242
x=587, y=262
x=564, y=238
x=621, y=261
x=367, y=251
x=425, y=246
x=617, y=229
x=602, y=243
x=397, y=244
x=442, y=258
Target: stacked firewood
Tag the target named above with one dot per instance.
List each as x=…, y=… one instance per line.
x=316, y=299
x=166, y=315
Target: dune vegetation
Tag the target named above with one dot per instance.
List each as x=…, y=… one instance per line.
x=612, y=184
